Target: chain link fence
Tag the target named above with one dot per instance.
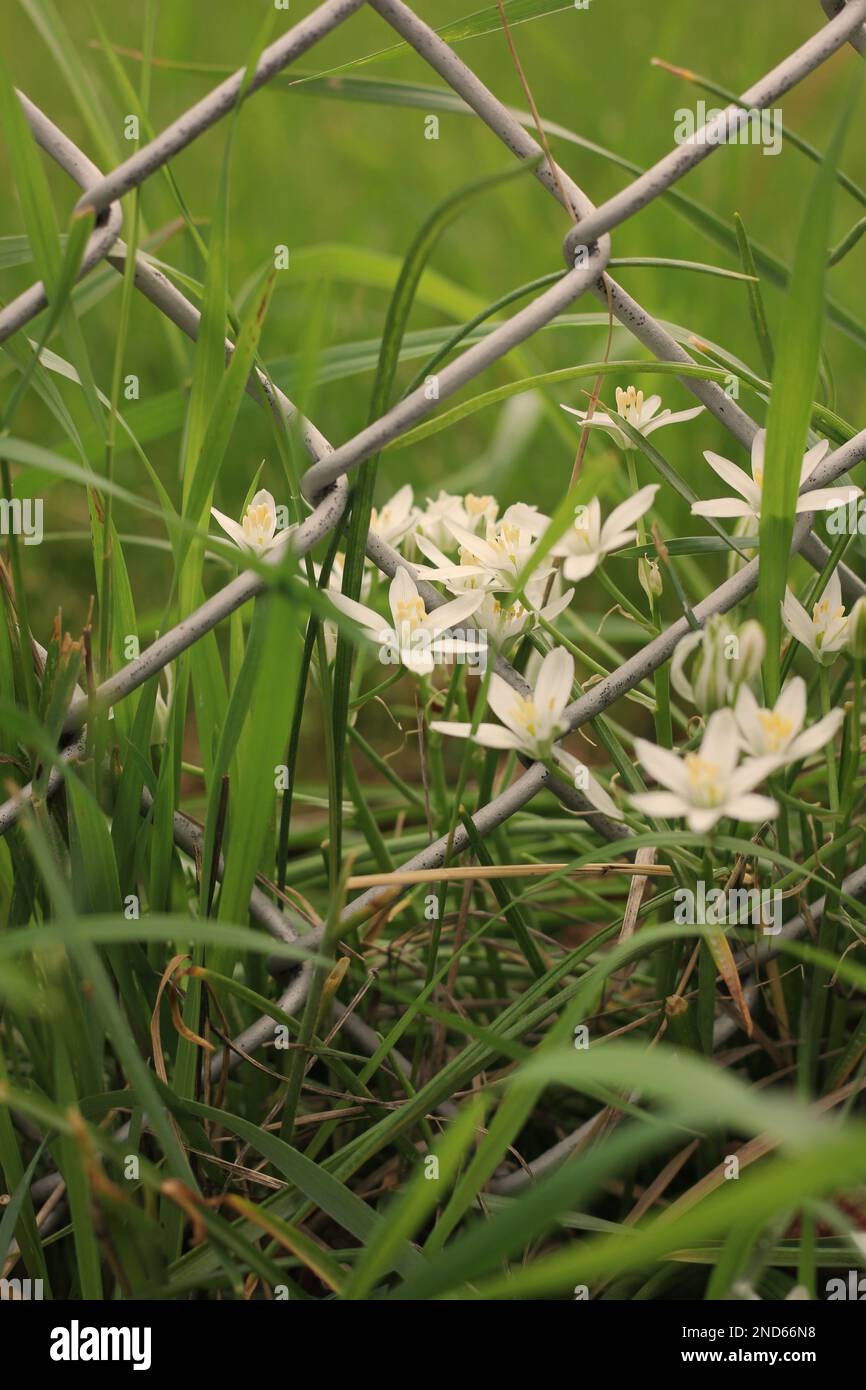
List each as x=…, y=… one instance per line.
x=587, y=250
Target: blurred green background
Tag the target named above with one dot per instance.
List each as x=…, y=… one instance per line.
x=311, y=172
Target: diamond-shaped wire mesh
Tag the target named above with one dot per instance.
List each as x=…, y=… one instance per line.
x=325, y=484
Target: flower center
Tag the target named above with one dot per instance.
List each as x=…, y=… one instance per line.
x=703, y=779
x=525, y=714
x=824, y=618
x=777, y=730
x=505, y=539
x=509, y=615
x=258, y=523
x=477, y=506
x=629, y=404
x=411, y=612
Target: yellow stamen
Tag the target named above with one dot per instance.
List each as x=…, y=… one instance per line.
x=525, y=714
x=411, y=611
x=777, y=729
x=704, y=778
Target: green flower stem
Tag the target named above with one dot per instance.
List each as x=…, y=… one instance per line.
x=707, y=968
x=663, y=720
x=832, y=779
x=854, y=735
x=625, y=603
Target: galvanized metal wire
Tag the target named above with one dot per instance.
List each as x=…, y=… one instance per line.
x=325, y=483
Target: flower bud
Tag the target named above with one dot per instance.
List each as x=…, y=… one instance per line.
x=857, y=630
x=650, y=577
x=752, y=646
x=712, y=679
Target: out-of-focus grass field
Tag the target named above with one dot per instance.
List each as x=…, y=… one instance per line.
x=314, y=172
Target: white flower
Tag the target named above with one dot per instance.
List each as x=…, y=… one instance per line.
x=257, y=530
x=640, y=413
x=457, y=575
x=334, y=586
x=495, y=560
x=706, y=785
x=396, y=517
x=432, y=521
x=479, y=510
x=532, y=723
x=748, y=504
x=776, y=732
x=505, y=624
x=416, y=636
x=587, y=541
x=825, y=632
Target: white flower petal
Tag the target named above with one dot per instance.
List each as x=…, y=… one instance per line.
x=751, y=773
x=721, y=741
x=735, y=477
x=722, y=506
x=682, y=651
x=827, y=499
x=231, y=528
x=798, y=622
x=663, y=765
x=812, y=458
x=791, y=704
x=622, y=517
x=502, y=699
x=596, y=794
x=746, y=714
x=812, y=739
x=751, y=807
x=577, y=567
x=675, y=419
x=454, y=612
x=701, y=819
x=495, y=736
x=553, y=687
x=758, y=451
x=558, y=605
x=833, y=591
x=368, y=618
x=666, y=805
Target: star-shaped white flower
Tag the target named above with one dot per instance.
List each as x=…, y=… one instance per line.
x=415, y=639
x=748, y=503
x=479, y=510
x=257, y=529
x=531, y=724
x=587, y=541
x=432, y=522
x=706, y=785
x=397, y=517
x=495, y=560
x=504, y=624
x=776, y=732
x=826, y=631
x=639, y=413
